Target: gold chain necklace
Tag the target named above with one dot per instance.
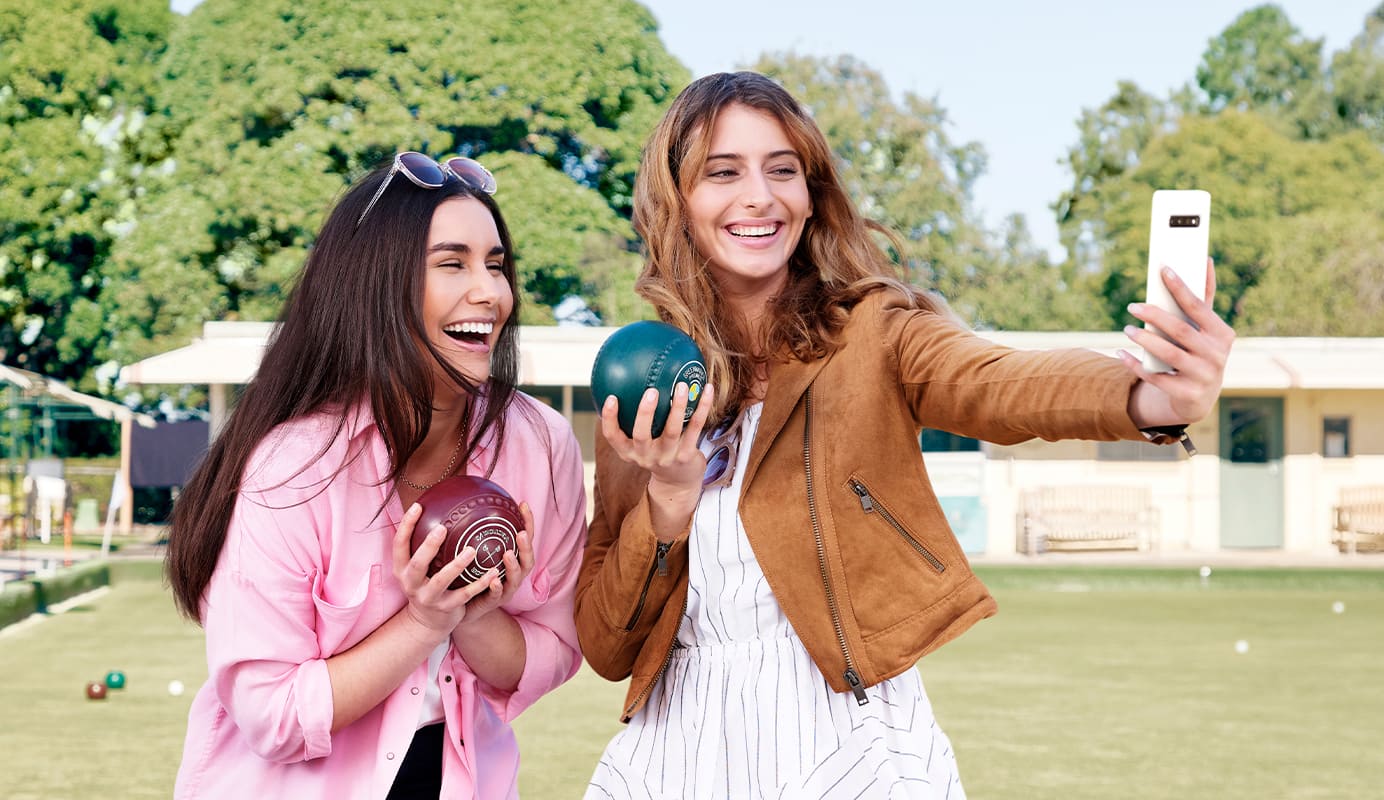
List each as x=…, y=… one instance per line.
x=446, y=473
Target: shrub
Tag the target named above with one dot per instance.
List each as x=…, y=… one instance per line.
x=17, y=601
x=70, y=582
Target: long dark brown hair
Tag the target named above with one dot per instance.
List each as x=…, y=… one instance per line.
x=836, y=262
x=350, y=331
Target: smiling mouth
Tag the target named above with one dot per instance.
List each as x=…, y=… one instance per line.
x=753, y=231
x=471, y=332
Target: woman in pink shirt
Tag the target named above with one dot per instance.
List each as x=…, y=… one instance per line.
x=338, y=668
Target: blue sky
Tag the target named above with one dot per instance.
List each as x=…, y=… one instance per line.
x=1013, y=75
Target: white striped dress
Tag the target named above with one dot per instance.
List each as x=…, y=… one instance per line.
x=743, y=712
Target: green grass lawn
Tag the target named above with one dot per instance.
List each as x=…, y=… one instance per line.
x=1091, y=683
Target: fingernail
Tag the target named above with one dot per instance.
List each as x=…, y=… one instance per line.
x=1168, y=273
x=650, y=395
x=1130, y=330
x=1135, y=308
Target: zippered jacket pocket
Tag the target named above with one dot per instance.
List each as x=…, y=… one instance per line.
x=869, y=504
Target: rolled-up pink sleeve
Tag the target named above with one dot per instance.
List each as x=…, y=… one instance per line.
x=263, y=651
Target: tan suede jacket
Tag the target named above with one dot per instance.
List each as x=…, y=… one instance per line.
x=836, y=501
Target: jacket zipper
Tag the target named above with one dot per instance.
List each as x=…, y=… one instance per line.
x=852, y=677
x=661, y=568
x=662, y=668
x=871, y=507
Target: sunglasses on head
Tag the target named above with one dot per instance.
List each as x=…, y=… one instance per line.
x=725, y=450
x=428, y=174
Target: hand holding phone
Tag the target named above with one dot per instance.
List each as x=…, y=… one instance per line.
x=1179, y=238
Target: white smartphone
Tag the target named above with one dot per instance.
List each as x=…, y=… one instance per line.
x=1179, y=238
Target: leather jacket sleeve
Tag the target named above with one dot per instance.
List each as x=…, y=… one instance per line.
x=959, y=382
x=626, y=575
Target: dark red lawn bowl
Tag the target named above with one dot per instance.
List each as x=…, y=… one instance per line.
x=477, y=513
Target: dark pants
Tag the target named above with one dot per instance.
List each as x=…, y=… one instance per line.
x=421, y=773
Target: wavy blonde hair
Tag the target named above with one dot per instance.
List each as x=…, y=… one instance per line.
x=836, y=262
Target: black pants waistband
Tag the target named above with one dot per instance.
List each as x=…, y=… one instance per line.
x=421, y=773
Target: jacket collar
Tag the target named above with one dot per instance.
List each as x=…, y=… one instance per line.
x=788, y=381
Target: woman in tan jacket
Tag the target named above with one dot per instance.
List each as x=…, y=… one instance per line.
x=769, y=586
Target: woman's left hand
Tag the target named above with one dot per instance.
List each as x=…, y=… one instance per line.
x=1197, y=353
x=518, y=565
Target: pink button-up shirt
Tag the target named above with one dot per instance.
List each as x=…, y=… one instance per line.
x=306, y=572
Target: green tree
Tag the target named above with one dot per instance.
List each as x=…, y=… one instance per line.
x=1019, y=288
x=1111, y=138
x=1324, y=276
x=1357, y=79
x=76, y=87
x=1260, y=180
x=1284, y=147
x=272, y=106
x=1262, y=61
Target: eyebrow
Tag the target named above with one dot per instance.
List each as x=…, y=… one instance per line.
x=463, y=247
x=738, y=157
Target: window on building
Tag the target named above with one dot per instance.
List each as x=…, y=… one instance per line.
x=942, y=442
x=1136, y=451
x=1336, y=437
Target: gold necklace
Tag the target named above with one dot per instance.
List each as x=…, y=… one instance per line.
x=451, y=462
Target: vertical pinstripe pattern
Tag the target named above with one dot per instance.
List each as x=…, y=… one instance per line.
x=742, y=712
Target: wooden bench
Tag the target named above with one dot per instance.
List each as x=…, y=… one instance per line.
x=1360, y=520
x=1087, y=517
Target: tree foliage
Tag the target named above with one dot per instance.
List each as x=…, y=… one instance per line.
x=161, y=171
x=1289, y=149
x=1262, y=183
x=1313, y=286
x=1357, y=80
x=76, y=89
x=1262, y=61
x=555, y=97
x=1110, y=141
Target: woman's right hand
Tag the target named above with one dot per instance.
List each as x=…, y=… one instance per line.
x=673, y=460
x=430, y=603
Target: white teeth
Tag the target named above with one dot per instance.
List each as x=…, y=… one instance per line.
x=752, y=230
x=482, y=328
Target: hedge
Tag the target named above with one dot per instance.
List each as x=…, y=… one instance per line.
x=17, y=601
x=35, y=595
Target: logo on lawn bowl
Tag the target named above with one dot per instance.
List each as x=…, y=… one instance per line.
x=693, y=373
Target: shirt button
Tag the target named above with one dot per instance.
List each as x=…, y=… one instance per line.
x=389, y=756
x=414, y=690
x=448, y=679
